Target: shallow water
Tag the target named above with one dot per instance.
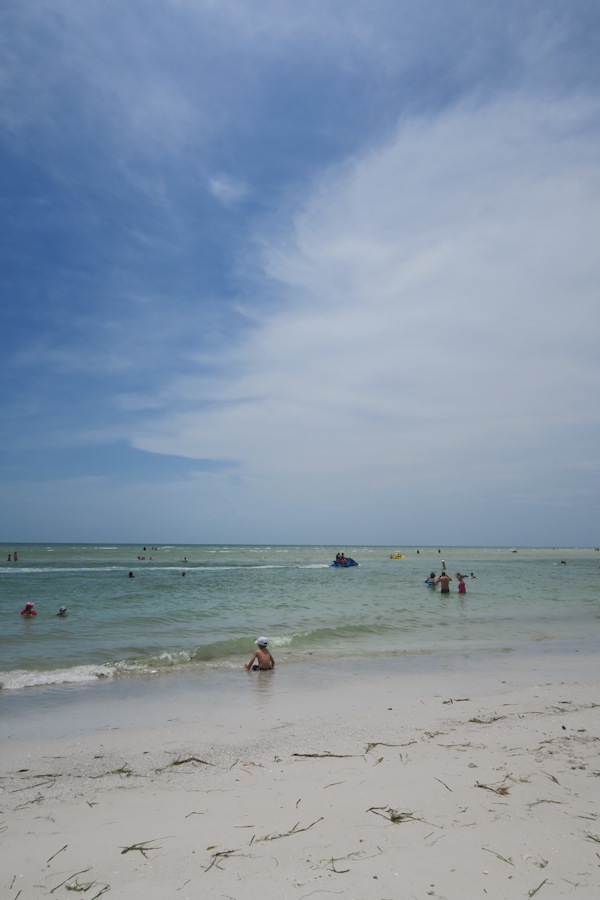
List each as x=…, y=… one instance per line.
x=162, y=621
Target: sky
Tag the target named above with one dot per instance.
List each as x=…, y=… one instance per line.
x=300, y=272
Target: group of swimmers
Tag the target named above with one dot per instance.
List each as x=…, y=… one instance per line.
x=444, y=582
x=29, y=611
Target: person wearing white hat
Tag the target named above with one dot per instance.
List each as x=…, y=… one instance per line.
x=261, y=658
x=62, y=612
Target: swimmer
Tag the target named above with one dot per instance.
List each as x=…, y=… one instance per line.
x=462, y=588
x=62, y=612
x=131, y=575
x=28, y=611
x=444, y=580
x=430, y=582
x=261, y=658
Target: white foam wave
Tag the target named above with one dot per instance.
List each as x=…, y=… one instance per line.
x=18, y=679
x=42, y=570
x=282, y=640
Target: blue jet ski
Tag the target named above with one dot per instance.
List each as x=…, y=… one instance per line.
x=346, y=563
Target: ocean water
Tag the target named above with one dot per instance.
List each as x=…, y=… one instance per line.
x=163, y=621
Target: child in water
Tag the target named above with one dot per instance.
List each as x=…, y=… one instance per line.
x=462, y=588
x=261, y=658
x=28, y=611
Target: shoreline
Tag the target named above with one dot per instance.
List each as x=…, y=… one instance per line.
x=62, y=710
x=374, y=781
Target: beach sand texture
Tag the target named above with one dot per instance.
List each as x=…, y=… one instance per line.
x=414, y=795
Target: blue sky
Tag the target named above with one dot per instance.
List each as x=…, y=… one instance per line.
x=285, y=272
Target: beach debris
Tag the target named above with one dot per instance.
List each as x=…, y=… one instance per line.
x=537, y=802
x=488, y=721
x=56, y=854
x=218, y=857
x=592, y=837
x=444, y=783
x=394, y=815
x=374, y=744
x=142, y=846
x=499, y=856
x=551, y=777
x=330, y=863
x=48, y=779
x=326, y=755
x=501, y=791
x=276, y=835
x=438, y=838
x=74, y=875
x=463, y=746
x=37, y=799
x=87, y=886
x=534, y=891
x=122, y=770
x=456, y=700
x=496, y=789
x=182, y=762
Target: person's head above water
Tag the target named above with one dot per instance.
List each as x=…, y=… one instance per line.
x=262, y=641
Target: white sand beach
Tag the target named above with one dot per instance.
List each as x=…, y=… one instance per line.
x=371, y=785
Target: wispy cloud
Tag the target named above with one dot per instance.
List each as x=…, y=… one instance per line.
x=425, y=281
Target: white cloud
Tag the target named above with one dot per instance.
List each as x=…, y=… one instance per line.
x=438, y=301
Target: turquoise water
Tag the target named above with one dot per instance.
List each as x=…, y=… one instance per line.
x=161, y=621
